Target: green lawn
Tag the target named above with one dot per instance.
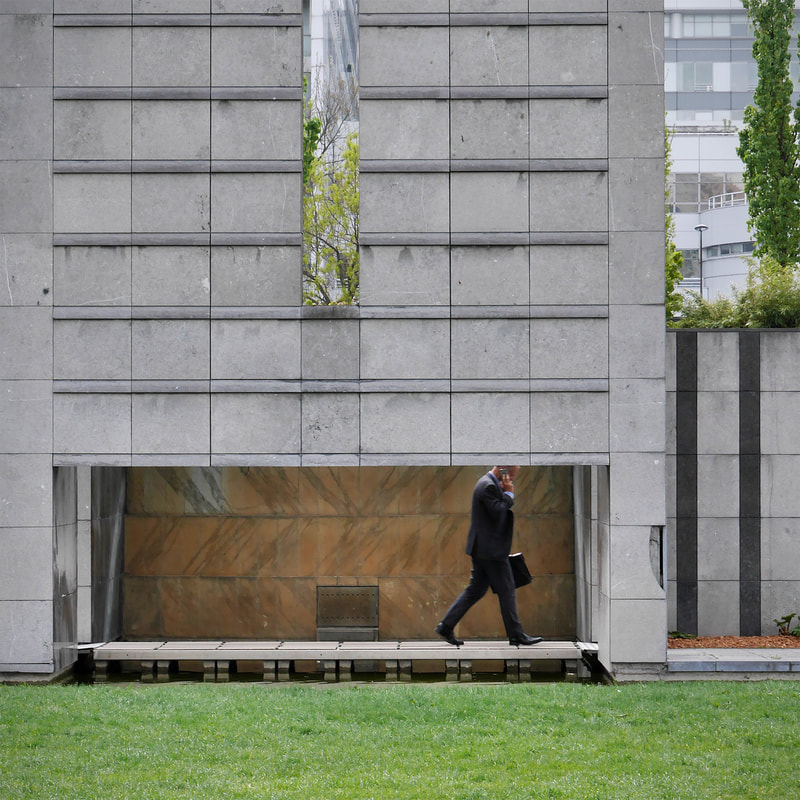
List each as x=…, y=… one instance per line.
x=662, y=740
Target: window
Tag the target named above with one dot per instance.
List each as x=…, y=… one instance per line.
x=695, y=76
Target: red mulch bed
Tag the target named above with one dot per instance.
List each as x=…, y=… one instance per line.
x=737, y=641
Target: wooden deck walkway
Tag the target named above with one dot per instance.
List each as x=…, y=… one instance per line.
x=336, y=658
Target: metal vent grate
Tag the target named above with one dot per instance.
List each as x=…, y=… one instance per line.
x=347, y=606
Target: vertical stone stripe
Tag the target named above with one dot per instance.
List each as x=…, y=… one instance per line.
x=686, y=489
x=750, y=483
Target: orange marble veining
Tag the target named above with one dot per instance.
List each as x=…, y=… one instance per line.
x=238, y=552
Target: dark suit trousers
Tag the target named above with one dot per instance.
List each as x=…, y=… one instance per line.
x=498, y=575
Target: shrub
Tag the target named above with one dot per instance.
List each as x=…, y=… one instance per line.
x=771, y=299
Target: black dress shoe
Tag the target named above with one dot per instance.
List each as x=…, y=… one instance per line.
x=448, y=635
x=523, y=638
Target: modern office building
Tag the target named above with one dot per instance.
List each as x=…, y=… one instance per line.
x=709, y=78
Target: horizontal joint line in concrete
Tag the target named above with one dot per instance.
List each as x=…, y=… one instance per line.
x=465, y=19
x=404, y=238
x=178, y=166
x=404, y=92
x=177, y=93
x=176, y=239
x=176, y=20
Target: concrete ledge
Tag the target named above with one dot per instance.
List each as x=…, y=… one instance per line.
x=711, y=662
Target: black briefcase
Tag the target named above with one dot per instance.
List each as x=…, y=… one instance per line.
x=522, y=575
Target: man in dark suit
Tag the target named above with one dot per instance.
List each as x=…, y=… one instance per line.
x=489, y=544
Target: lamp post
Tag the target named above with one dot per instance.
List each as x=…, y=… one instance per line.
x=700, y=229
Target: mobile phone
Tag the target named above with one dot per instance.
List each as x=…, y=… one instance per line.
x=504, y=472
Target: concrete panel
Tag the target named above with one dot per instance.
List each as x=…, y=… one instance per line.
x=717, y=486
x=779, y=371
x=569, y=422
x=718, y=423
x=489, y=201
x=92, y=56
x=171, y=129
x=26, y=270
x=92, y=203
x=419, y=56
x=779, y=495
x=490, y=348
x=635, y=272
x=488, y=56
x=488, y=6
x=568, y=55
x=257, y=203
x=718, y=550
x=636, y=341
x=413, y=275
x=489, y=129
x=637, y=489
x=256, y=57
x=405, y=423
x=492, y=276
x=92, y=276
x=569, y=201
x=251, y=129
x=637, y=415
x=777, y=599
x=646, y=105
x=402, y=6
x=569, y=275
x=25, y=120
x=330, y=423
x=170, y=276
x=26, y=50
x=490, y=423
x=255, y=349
x=92, y=423
x=171, y=203
x=92, y=129
x=718, y=361
x=26, y=635
x=402, y=348
x=26, y=341
x=91, y=6
x=718, y=608
x=170, y=350
x=569, y=128
x=330, y=349
x=780, y=548
x=255, y=423
x=423, y=134
x=638, y=631
x=26, y=413
x=25, y=197
x=569, y=348
x=171, y=56
x=256, y=6
x=416, y=203
x=26, y=490
x=632, y=574
x=171, y=423
x=27, y=554
x=256, y=276
x=631, y=191
x=92, y=349
x=170, y=6
x=636, y=49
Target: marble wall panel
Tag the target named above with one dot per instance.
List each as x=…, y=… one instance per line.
x=239, y=552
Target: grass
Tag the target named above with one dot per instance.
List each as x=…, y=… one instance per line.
x=650, y=741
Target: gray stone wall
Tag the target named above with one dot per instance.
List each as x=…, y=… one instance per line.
x=732, y=492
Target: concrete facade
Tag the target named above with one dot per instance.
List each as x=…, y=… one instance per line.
x=733, y=506
x=150, y=212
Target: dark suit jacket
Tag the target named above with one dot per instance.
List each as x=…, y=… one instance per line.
x=492, y=524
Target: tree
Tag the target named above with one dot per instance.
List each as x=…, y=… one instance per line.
x=673, y=258
x=768, y=143
x=330, y=193
x=330, y=229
